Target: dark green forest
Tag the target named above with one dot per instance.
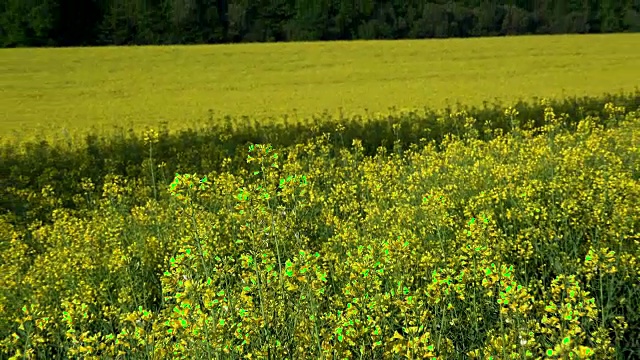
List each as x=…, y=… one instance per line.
x=122, y=22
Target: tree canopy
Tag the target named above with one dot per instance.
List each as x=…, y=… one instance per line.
x=121, y=22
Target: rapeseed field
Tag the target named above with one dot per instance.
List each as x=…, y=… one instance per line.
x=516, y=237
x=136, y=86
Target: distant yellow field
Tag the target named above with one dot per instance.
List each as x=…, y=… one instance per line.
x=84, y=86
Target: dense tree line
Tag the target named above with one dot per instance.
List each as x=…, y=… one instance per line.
x=107, y=22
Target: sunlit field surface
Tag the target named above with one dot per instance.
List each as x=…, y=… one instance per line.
x=79, y=87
